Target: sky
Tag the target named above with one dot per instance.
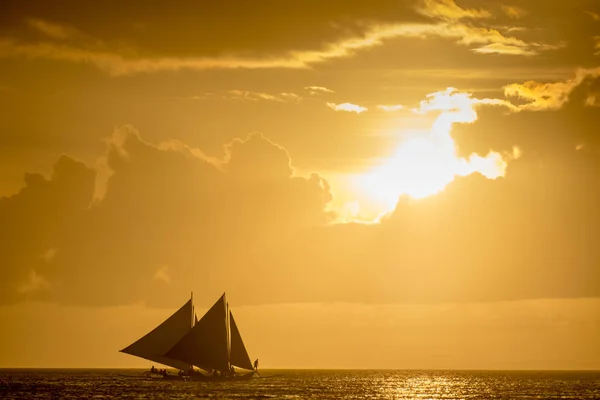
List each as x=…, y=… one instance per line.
x=382, y=184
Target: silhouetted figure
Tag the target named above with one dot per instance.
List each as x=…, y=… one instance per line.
x=256, y=365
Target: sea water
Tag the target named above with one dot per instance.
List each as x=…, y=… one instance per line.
x=304, y=384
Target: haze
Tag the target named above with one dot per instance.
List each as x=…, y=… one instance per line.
x=381, y=184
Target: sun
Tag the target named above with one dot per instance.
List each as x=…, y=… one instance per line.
x=420, y=167
x=425, y=162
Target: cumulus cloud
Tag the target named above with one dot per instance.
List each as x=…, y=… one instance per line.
x=348, y=107
x=257, y=157
x=33, y=223
x=164, y=204
x=247, y=221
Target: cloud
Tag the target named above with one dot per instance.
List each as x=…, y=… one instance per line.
x=49, y=255
x=550, y=95
x=116, y=64
x=250, y=96
x=447, y=9
x=424, y=164
x=499, y=48
x=513, y=11
x=447, y=23
x=541, y=96
x=164, y=204
x=162, y=274
x=248, y=222
x=54, y=31
x=349, y=107
x=318, y=90
x=391, y=108
x=257, y=158
x=492, y=41
x=33, y=222
x=595, y=16
x=34, y=283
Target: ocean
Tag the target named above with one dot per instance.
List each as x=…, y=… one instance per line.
x=304, y=384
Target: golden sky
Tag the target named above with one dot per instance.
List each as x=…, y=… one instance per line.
x=381, y=184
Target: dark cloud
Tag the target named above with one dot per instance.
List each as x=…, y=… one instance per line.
x=138, y=38
x=169, y=209
x=34, y=222
x=206, y=27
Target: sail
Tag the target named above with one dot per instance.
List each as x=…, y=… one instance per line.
x=205, y=345
x=239, y=356
x=157, y=342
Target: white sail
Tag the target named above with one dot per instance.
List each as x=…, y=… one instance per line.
x=238, y=353
x=206, y=344
x=154, y=345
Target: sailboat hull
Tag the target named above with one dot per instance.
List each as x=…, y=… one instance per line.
x=204, y=378
x=167, y=377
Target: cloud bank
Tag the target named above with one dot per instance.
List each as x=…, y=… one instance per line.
x=173, y=220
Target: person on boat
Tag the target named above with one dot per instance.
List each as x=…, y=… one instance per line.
x=256, y=365
x=153, y=370
x=164, y=373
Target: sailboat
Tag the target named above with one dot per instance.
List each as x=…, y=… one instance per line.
x=213, y=343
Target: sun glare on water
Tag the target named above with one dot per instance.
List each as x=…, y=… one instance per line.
x=426, y=162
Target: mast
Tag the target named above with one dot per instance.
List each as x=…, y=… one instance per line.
x=227, y=331
x=192, y=316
